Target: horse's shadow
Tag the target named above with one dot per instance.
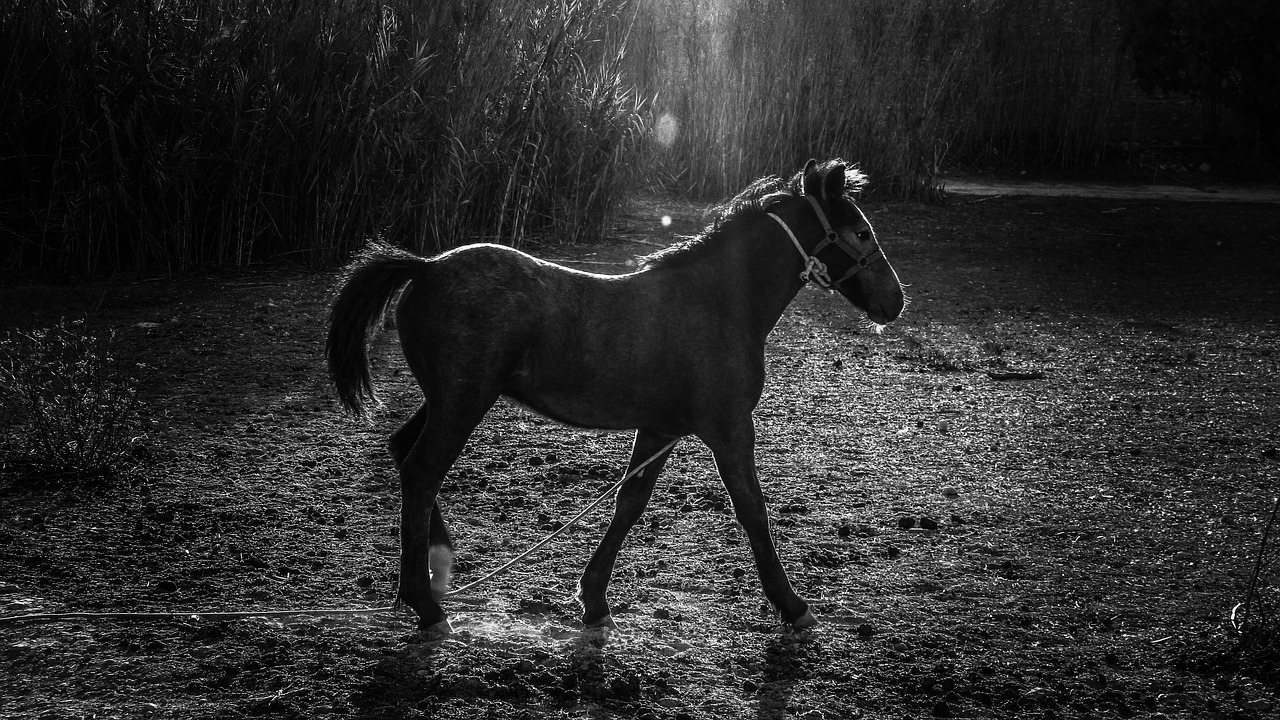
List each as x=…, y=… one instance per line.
x=576, y=668
x=789, y=661
x=481, y=662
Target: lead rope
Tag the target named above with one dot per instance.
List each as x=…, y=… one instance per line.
x=568, y=524
x=56, y=617
x=814, y=268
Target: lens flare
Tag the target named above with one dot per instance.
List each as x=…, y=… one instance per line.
x=666, y=129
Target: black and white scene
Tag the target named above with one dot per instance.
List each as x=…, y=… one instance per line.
x=641, y=359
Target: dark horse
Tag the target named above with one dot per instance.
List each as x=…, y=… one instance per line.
x=674, y=349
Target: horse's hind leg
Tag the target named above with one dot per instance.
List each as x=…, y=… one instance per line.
x=633, y=496
x=440, y=545
x=442, y=436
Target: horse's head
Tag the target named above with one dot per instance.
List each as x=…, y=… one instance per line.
x=855, y=264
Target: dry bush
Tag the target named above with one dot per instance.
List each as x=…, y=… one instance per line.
x=71, y=407
x=1256, y=619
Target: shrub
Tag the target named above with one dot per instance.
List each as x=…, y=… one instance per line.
x=71, y=405
x=1256, y=619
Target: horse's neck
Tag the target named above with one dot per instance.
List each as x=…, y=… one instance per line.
x=768, y=262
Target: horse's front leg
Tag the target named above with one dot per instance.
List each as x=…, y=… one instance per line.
x=632, y=498
x=734, y=451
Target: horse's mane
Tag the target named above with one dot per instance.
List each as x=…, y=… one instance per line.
x=750, y=204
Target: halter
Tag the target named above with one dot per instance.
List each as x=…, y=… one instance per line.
x=815, y=269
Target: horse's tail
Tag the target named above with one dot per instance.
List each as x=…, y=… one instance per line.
x=372, y=280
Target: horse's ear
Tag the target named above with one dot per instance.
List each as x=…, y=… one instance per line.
x=833, y=184
x=812, y=182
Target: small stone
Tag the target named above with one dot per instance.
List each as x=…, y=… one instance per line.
x=941, y=709
x=738, y=573
x=535, y=460
x=928, y=523
x=552, y=457
x=750, y=686
x=166, y=586
x=906, y=523
x=865, y=630
x=950, y=492
x=364, y=581
x=844, y=531
x=892, y=551
x=956, y=519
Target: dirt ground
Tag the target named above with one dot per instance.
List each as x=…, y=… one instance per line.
x=1065, y=544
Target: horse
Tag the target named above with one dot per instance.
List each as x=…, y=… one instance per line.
x=674, y=349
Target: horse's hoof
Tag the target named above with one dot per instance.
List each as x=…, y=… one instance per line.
x=603, y=623
x=435, y=631
x=806, y=620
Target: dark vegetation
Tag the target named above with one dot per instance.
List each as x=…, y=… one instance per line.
x=1225, y=53
x=168, y=136
x=174, y=135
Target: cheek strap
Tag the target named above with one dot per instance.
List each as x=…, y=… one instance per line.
x=815, y=269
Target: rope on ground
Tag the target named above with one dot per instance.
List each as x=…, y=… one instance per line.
x=198, y=615
x=234, y=615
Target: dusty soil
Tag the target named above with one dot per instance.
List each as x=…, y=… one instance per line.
x=1064, y=546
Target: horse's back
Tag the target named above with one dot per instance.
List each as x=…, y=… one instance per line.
x=488, y=299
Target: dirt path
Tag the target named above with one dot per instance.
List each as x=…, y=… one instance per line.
x=1068, y=545
x=1179, y=193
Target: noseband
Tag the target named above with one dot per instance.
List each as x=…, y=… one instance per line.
x=815, y=269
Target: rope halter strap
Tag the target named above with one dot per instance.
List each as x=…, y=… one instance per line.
x=815, y=269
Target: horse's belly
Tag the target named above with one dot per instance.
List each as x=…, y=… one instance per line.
x=611, y=406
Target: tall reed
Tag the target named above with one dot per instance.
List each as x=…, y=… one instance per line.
x=170, y=135
x=216, y=132
x=745, y=87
